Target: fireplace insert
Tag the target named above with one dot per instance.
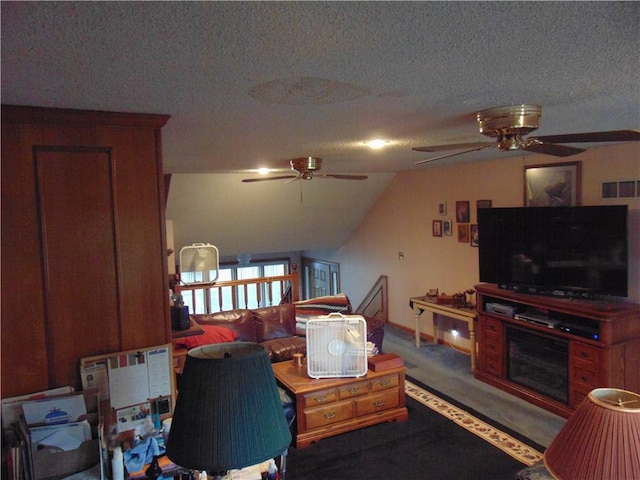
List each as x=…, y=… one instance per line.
x=538, y=362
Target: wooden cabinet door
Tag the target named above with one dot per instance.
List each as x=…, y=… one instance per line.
x=83, y=242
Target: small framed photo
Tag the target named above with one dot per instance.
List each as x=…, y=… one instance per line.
x=437, y=228
x=483, y=204
x=462, y=211
x=552, y=185
x=446, y=228
x=463, y=233
x=442, y=208
x=475, y=240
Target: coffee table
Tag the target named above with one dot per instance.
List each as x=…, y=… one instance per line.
x=330, y=406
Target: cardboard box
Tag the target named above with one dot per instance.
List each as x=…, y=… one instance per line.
x=54, y=463
x=50, y=464
x=385, y=361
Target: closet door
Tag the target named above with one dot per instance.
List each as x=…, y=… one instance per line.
x=83, y=242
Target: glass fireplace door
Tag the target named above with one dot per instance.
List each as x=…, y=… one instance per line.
x=538, y=362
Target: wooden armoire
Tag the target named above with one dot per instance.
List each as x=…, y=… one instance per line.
x=83, y=241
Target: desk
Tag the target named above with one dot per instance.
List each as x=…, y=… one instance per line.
x=469, y=315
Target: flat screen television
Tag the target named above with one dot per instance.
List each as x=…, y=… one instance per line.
x=560, y=251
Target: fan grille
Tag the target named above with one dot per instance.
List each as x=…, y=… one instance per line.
x=337, y=346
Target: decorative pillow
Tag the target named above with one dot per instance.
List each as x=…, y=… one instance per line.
x=212, y=334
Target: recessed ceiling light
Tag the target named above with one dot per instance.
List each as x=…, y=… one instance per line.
x=377, y=143
x=263, y=170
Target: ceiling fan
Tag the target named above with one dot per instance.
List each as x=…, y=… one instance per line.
x=306, y=168
x=510, y=124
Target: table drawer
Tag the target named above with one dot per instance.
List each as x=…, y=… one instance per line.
x=353, y=390
x=320, y=398
x=491, y=364
x=585, y=357
x=493, y=348
x=585, y=379
x=382, y=383
x=489, y=326
x=377, y=402
x=335, y=412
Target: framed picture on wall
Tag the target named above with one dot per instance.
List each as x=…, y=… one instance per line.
x=463, y=233
x=446, y=228
x=437, y=228
x=475, y=239
x=442, y=208
x=552, y=185
x=462, y=211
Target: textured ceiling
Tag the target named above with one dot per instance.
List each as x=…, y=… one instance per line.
x=254, y=84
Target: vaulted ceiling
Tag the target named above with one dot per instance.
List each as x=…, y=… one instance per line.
x=253, y=84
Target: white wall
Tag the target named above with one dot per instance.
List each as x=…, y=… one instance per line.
x=264, y=217
x=401, y=221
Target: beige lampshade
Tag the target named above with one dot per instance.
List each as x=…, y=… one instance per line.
x=601, y=440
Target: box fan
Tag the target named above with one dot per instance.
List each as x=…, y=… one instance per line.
x=199, y=263
x=337, y=346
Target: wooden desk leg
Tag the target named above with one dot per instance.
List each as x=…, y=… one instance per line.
x=434, y=322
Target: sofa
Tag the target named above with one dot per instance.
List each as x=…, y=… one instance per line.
x=280, y=329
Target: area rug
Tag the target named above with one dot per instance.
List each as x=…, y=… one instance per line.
x=440, y=441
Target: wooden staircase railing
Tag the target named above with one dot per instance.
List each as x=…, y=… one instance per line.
x=262, y=287
x=375, y=303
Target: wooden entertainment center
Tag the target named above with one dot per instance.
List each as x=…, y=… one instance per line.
x=555, y=362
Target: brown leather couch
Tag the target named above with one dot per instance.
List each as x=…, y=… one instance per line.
x=277, y=328
x=273, y=327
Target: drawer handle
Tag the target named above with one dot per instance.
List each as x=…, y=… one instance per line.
x=584, y=378
x=385, y=383
x=321, y=399
x=354, y=390
x=584, y=354
x=378, y=403
x=330, y=415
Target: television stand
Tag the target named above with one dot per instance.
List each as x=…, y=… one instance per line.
x=585, y=344
x=546, y=292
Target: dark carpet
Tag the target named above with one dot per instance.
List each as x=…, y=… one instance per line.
x=428, y=446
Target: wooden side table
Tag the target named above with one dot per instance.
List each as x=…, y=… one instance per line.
x=180, y=355
x=330, y=406
x=469, y=315
x=194, y=329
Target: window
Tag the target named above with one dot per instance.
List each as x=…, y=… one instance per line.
x=245, y=296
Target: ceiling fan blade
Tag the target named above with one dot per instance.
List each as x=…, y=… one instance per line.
x=455, y=146
x=265, y=179
x=613, y=136
x=293, y=179
x=551, y=149
x=340, y=177
x=485, y=147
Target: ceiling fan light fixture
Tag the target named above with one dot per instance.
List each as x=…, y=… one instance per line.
x=306, y=168
x=305, y=164
x=511, y=120
x=510, y=124
x=510, y=142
